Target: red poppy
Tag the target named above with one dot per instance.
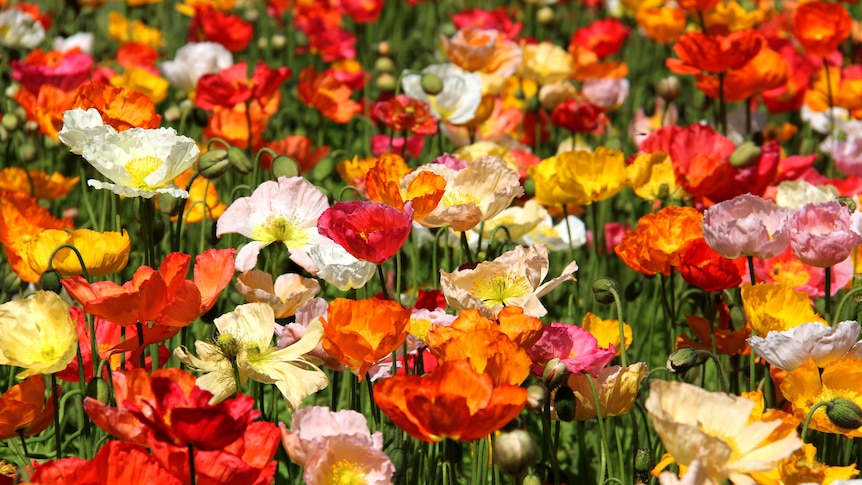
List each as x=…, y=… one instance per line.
x=231, y=86
x=231, y=31
x=603, y=37
x=406, y=114
x=24, y=410
x=821, y=27
x=136, y=54
x=164, y=296
x=702, y=267
x=370, y=231
x=362, y=11
x=497, y=19
x=328, y=95
x=411, y=146
x=331, y=44
x=578, y=116
x=116, y=462
x=453, y=402
x=297, y=147
x=716, y=54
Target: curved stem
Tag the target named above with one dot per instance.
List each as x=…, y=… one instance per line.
x=809, y=416
x=844, y=301
x=623, y=358
x=84, y=272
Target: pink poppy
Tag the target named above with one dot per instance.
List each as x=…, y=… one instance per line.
x=577, y=348
x=66, y=70
x=820, y=234
x=788, y=270
x=746, y=225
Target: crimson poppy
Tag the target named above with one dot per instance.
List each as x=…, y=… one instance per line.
x=578, y=116
x=231, y=86
x=715, y=54
x=231, y=31
x=406, y=114
x=370, y=231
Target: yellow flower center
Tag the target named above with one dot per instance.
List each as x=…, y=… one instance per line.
x=500, y=289
x=7, y=469
x=790, y=273
x=140, y=168
x=419, y=328
x=49, y=353
x=459, y=198
x=346, y=472
x=279, y=228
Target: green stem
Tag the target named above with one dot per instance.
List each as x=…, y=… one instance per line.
x=55, y=400
x=809, y=416
x=601, y=420
x=843, y=302
x=465, y=245
x=623, y=358
x=382, y=276
x=84, y=272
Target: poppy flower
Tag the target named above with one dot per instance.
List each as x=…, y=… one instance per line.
x=772, y=306
x=39, y=335
x=714, y=54
x=284, y=210
x=194, y=60
x=231, y=31
x=545, y=63
x=299, y=149
x=604, y=37
x=579, y=177
x=25, y=410
x=124, y=30
x=119, y=108
x=823, y=344
x=576, y=348
x=616, y=389
x=36, y=182
x=143, y=80
x=46, y=107
x=64, y=70
x=821, y=27
x=403, y=113
x=453, y=402
x=116, y=462
x=384, y=184
x=788, y=270
x=578, y=116
x=231, y=86
x=103, y=253
x=657, y=244
x=370, y=231
x=232, y=124
x=727, y=340
x=704, y=268
x=286, y=295
x=488, y=51
x=164, y=296
x=497, y=19
x=607, y=332
x=457, y=102
x=664, y=24
x=362, y=11
x=20, y=29
x=808, y=384
x=358, y=333
x=107, y=336
x=821, y=234
x=328, y=95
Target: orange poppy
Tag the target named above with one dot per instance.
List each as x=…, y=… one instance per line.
x=846, y=93
x=297, y=147
x=203, y=202
x=21, y=218
x=24, y=410
x=116, y=462
x=46, y=107
x=121, y=108
x=383, y=184
x=231, y=124
x=727, y=340
x=662, y=24
x=453, y=402
x=715, y=54
x=358, y=333
x=36, y=183
x=821, y=27
x=328, y=95
x=498, y=349
x=699, y=5
x=704, y=268
x=658, y=242
x=768, y=70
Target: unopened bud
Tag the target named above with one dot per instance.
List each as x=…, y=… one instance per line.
x=10, y=121
x=396, y=455
x=384, y=64
x=537, y=396
x=200, y=117
x=643, y=460
x=278, y=41
x=98, y=389
x=284, y=166
x=239, y=160
x=681, y=360
x=745, y=155
x=848, y=202
x=555, y=373
x=514, y=452
x=28, y=152
x=213, y=164
x=173, y=114
x=431, y=84
x=844, y=413
x=50, y=281
x=531, y=479
x=386, y=82
x=170, y=205
x=604, y=289
x=669, y=88
x=545, y=15
x=564, y=403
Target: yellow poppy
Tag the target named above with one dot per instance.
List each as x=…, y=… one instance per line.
x=103, y=252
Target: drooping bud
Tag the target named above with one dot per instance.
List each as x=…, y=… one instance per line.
x=50, y=281
x=431, y=84
x=98, y=389
x=537, y=395
x=602, y=287
x=213, y=164
x=514, y=452
x=745, y=155
x=170, y=205
x=555, y=373
x=239, y=160
x=563, y=404
x=844, y=413
x=681, y=360
x=669, y=88
x=284, y=166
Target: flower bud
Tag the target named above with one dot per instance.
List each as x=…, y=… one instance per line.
x=396, y=455
x=555, y=373
x=643, y=465
x=384, y=64
x=844, y=413
x=681, y=360
x=537, y=396
x=563, y=404
x=278, y=41
x=170, y=205
x=213, y=164
x=98, y=389
x=745, y=155
x=10, y=122
x=847, y=202
x=239, y=160
x=173, y=114
x=531, y=479
x=514, y=452
x=545, y=15
x=431, y=84
x=669, y=88
x=602, y=287
x=386, y=82
x=284, y=166
x=28, y=152
x=50, y=281
x=158, y=230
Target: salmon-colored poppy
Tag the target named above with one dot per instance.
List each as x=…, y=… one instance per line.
x=383, y=184
x=715, y=54
x=453, y=402
x=232, y=124
x=358, y=333
x=821, y=27
x=328, y=95
x=658, y=242
x=116, y=462
x=299, y=149
x=24, y=410
x=368, y=230
x=121, y=108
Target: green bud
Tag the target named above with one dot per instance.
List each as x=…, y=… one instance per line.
x=564, y=403
x=284, y=166
x=531, y=479
x=170, y=205
x=278, y=41
x=239, y=160
x=555, y=373
x=602, y=287
x=844, y=413
x=745, y=155
x=385, y=82
x=213, y=164
x=11, y=283
x=848, y=202
x=669, y=89
x=537, y=396
x=10, y=122
x=545, y=15
x=28, y=152
x=98, y=389
x=50, y=281
x=515, y=452
x=643, y=460
x=681, y=360
x=384, y=64
x=431, y=84
x=158, y=230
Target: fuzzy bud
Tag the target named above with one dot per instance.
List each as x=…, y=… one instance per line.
x=745, y=155
x=537, y=395
x=213, y=164
x=555, y=373
x=284, y=166
x=844, y=413
x=384, y=64
x=170, y=205
x=681, y=360
x=98, y=389
x=239, y=160
x=564, y=404
x=50, y=281
x=531, y=479
x=515, y=452
x=431, y=84
x=669, y=89
x=602, y=289
x=545, y=15
x=10, y=121
x=386, y=82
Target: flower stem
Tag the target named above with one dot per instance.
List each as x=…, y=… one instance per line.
x=55, y=400
x=466, y=246
x=602, y=433
x=192, y=472
x=382, y=276
x=828, y=295
x=751, y=275
x=808, y=418
x=623, y=358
